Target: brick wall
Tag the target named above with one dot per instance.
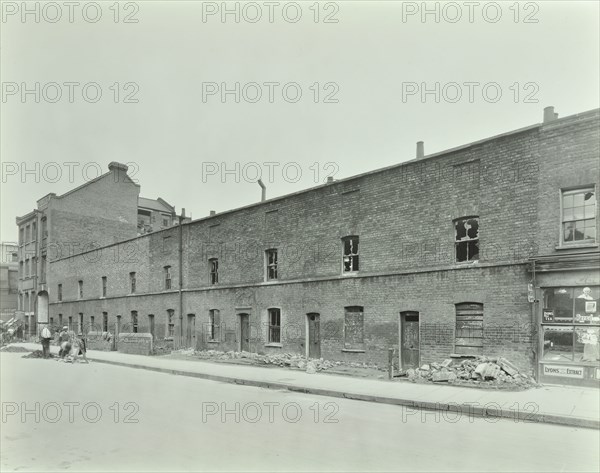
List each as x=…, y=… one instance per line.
x=404, y=218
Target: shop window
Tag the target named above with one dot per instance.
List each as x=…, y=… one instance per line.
x=350, y=256
x=274, y=326
x=571, y=324
x=354, y=331
x=578, y=216
x=469, y=329
x=466, y=239
x=271, y=263
x=213, y=325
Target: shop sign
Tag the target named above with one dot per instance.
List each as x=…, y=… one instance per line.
x=548, y=315
x=564, y=371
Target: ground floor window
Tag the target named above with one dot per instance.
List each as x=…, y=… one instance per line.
x=571, y=324
x=274, y=326
x=170, y=323
x=213, y=325
x=469, y=329
x=354, y=330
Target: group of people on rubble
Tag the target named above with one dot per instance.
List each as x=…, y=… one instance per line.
x=71, y=346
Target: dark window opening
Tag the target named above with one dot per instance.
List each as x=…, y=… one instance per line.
x=466, y=231
x=274, y=326
x=350, y=259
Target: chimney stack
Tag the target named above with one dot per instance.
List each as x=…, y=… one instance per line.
x=182, y=212
x=213, y=213
x=420, y=149
x=329, y=179
x=549, y=115
x=263, y=194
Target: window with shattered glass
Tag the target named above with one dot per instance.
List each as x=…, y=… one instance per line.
x=350, y=259
x=579, y=216
x=466, y=231
x=271, y=260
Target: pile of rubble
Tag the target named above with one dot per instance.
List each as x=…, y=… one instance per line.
x=13, y=349
x=310, y=365
x=37, y=354
x=480, y=370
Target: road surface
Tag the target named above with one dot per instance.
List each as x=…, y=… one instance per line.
x=98, y=417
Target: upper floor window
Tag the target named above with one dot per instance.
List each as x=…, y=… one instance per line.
x=579, y=216
x=132, y=282
x=271, y=262
x=213, y=265
x=33, y=231
x=28, y=233
x=80, y=283
x=350, y=258
x=44, y=227
x=167, y=277
x=103, y=286
x=21, y=235
x=59, y=292
x=274, y=326
x=466, y=239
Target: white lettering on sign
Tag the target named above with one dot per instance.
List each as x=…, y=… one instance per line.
x=565, y=371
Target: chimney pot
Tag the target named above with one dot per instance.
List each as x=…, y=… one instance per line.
x=115, y=166
x=213, y=213
x=549, y=115
x=420, y=149
x=329, y=179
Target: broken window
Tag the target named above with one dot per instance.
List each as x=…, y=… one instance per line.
x=167, y=277
x=466, y=231
x=350, y=259
x=80, y=289
x=213, y=325
x=132, y=281
x=274, y=326
x=271, y=260
x=354, y=332
x=213, y=264
x=134, y=321
x=579, y=216
x=469, y=329
x=170, y=323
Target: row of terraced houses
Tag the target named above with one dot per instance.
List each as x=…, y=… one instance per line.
x=488, y=248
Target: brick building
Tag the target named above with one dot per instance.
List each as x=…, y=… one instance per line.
x=450, y=253
x=9, y=267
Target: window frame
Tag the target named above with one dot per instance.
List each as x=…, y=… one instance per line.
x=214, y=325
x=170, y=334
x=359, y=346
x=473, y=313
x=103, y=289
x=134, y=321
x=80, y=289
x=271, y=266
x=562, y=221
x=477, y=240
x=168, y=278
x=132, y=282
x=273, y=328
x=213, y=271
x=352, y=256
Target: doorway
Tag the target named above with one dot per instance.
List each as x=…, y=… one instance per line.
x=244, y=332
x=191, y=331
x=409, y=340
x=313, y=335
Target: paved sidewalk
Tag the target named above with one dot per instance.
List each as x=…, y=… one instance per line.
x=571, y=406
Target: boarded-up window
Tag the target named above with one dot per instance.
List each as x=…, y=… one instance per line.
x=354, y=333
x=469, y=329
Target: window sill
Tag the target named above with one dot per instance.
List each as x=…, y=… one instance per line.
x=352, y=350
x=274, y=345
x=580, y=245
x=350, y=273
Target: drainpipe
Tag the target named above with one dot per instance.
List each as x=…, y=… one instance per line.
x=181, y=217
x=534, y=325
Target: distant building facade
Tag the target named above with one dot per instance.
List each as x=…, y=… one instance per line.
x=9, y=291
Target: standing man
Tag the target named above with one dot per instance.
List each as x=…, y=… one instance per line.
x=46, y=336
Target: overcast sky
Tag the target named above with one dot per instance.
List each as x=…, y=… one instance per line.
x=370, y=61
